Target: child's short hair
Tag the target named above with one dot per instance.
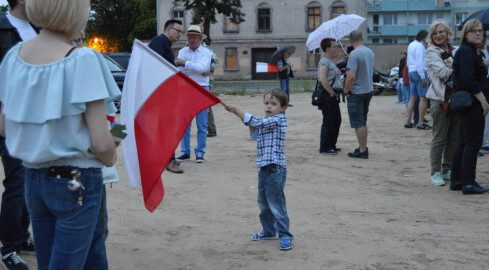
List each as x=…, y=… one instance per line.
x=278, y=94
x=65, y=16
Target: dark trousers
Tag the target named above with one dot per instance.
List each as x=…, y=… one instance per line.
x=330, y=128
x=469, y=143
x=14, y=218
x=211, y=125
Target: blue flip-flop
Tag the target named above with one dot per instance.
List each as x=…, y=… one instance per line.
x=285, y=244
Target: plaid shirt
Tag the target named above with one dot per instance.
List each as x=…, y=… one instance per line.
x=270, y=137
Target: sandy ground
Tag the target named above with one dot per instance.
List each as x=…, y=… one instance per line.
x=380, y=213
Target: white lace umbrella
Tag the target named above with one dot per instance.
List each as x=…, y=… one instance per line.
x=336, y=28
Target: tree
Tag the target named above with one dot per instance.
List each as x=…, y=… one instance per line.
x=123, y=20
x=206, y=10
x=3, y=9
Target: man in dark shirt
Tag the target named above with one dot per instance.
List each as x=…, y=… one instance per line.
x=161, y=44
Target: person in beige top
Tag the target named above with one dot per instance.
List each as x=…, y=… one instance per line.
x=439, y=58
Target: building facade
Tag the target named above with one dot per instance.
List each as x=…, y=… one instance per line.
x=268, y=25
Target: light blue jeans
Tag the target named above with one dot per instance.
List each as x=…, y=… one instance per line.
x=63, y=230
x=400, y=92
x=271, y=200
x=201, y=120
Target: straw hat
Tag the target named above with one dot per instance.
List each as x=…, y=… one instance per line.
x=195, y=30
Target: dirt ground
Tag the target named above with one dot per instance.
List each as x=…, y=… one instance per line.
x=380, y=213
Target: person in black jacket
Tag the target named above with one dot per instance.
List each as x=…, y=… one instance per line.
x=284, y=73
x=14, y=218
x=402, y=62
x=162, y=45
x=469, y=74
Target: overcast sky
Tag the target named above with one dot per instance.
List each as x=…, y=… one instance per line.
x=3, y=2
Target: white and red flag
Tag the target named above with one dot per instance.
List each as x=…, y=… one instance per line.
x=158, y=103
x=265, y=67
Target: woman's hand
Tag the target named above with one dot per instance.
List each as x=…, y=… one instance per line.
x=485, y=107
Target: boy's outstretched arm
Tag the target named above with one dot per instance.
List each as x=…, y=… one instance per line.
x=233, y=109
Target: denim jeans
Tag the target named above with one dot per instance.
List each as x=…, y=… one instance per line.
x=14, y=218
x=469, y=143
x=97, y=255
x=400, y=93
x=405, y=94
x=201, y=120
x=330, y=129
x=445, y=137
x=271, y=200
x=284, y=85
x=416, y=84
x=63, y=230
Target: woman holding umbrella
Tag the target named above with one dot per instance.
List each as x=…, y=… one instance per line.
x=328, y=79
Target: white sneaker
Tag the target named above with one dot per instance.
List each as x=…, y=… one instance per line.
x=437, y=179
x=12, y=261
x=446, y=176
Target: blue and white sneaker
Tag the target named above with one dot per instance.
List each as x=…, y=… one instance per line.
x=262, y=236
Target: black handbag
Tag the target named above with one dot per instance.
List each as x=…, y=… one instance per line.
x=318, y=96
x=460, y=101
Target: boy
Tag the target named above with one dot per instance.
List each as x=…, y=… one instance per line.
x=269, y=132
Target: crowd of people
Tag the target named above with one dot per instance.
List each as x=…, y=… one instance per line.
x=64, y=194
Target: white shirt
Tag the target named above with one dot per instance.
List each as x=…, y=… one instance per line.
x=25, y=30
x=416, y=58
x=197, y=62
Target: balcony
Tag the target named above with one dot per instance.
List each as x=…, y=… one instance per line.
x=394, y=30
x=427, y=5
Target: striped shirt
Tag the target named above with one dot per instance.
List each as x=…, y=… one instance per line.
x=270, y=137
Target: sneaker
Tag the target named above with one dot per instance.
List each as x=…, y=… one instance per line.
x=485, y=148
x=28, y=246
x=358, y=154
x=211, y=135
x=13, y=261
x=337, y=149
x=262, y=236
x=446, y=176
x=480, y=154
x=437, y=179
x=330, y=151
x=174, y=167
x=285, y=244
x=199, y=159
x=408, y=125
x=423, y=126
x=183, y=157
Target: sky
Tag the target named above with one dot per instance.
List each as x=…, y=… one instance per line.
x=3, y=2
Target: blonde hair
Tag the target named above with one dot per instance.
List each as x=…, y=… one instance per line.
x=66, y=16
x=468, y=26
x=433, y=27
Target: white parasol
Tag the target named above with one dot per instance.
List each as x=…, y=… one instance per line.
x=336, y=28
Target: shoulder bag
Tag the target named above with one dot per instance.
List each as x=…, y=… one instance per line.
x=460, y=101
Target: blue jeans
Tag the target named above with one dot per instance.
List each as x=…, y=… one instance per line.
x=271, y=200
x=201, y=120
x=63, y=230
x=284, y=85
x=400, y=93
x=14, y=218
x=97, y=255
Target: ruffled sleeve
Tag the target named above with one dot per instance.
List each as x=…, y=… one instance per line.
x=39, y=93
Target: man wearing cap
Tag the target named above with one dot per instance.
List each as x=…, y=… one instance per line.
x=195, y=61
x=161, y=44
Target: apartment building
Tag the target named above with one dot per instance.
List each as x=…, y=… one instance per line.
x=268, y=24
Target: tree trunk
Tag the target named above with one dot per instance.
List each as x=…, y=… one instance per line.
x=207, y=27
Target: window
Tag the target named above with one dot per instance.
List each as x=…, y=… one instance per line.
x=337, y=8
x=263, y=19
x=375, y=41
x=425, y=18
x=460, y=17
x=230, y=27
x=313, y=16
x=313, y=58
x=231, y=58
x=178, y=14
x=390, y=19
x=390, y=41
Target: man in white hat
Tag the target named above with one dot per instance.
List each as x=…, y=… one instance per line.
x=195, y=60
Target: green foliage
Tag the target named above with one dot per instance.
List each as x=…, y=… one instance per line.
x=206, y=10
x=123, y=20
x=4, y=9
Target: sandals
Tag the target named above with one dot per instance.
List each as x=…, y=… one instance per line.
x=423, y=126
x=409, y=125
x=262, y=236
x=285, y=244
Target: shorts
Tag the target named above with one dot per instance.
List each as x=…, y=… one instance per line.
x=416, y=84
x=358, y=105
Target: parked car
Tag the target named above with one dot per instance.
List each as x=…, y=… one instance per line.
x=119, y=74
x=122, y=58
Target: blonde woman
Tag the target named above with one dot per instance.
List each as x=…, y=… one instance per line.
x=439, y=59
x=469, y=74
x=54, y=118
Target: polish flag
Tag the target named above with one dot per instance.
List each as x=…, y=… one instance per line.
x=158, y=103
x=265, y=67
